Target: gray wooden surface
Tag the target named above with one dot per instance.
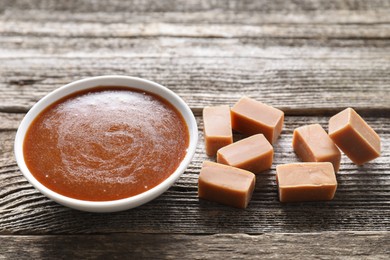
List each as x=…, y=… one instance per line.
x=310, y=58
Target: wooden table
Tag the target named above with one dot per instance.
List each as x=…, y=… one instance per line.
x=309, y=58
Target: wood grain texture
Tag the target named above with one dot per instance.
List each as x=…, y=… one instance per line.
x=261, y=6
x=124, y=30
x=327, y=245
x=303, y=87
x=361, y=202
x=310, y=58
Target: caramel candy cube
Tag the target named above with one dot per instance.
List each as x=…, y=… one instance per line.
x=253, y=117
x=306, y=181
x=354, y=136
x=217, y=128
x=225, y=184
x=312, y=144
x=253, y=153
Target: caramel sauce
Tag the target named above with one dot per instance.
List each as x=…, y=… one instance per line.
x=106, y=143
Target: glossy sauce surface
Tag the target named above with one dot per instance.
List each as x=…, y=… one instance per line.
x=106, y=144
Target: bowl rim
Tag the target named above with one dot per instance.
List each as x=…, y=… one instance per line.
x=99, y=81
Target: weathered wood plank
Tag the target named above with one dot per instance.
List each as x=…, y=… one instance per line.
x=310, y=57
x=285, y=57
x=16, y=47
x=10, y=121
x=125, y=30
x=294, y=85
x=204, y=17
x=260, y=6
x=223, y=19
x=23, y=47
x=327, y=245
x=361, y=202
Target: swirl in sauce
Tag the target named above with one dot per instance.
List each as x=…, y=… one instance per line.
x=106, y=143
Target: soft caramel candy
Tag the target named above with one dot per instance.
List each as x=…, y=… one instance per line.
x=253, y=117
x=306, y=181
x=254, y=154
x=217, y=128
x=312, y=144
x=354, y=136
x=225, y=184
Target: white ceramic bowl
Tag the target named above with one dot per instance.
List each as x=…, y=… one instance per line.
x=135, y=83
